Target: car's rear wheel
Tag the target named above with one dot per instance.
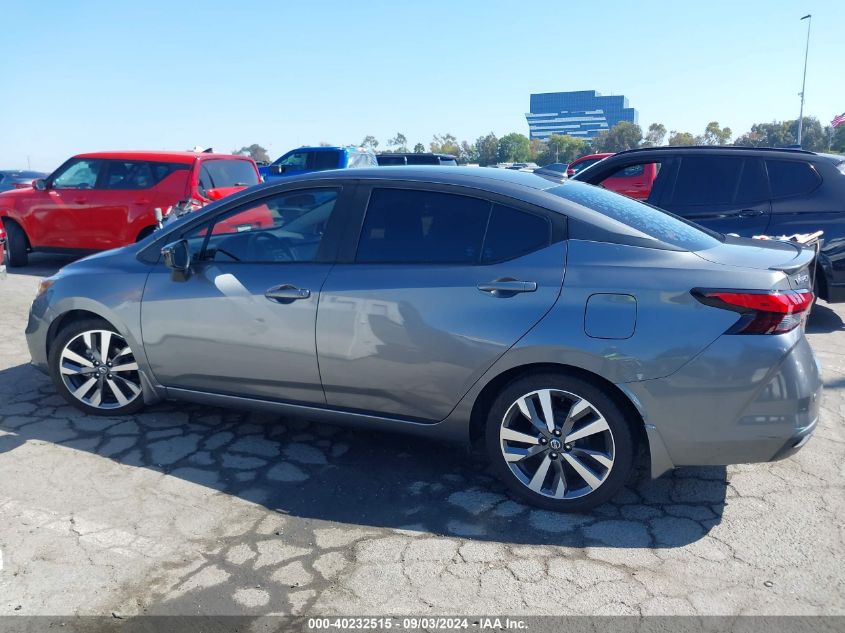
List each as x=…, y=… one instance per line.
x=95, y=370
x=559, y=442
x=16, y=245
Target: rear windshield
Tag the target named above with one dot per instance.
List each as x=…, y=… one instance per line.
x=219, y=173
x=655, y=223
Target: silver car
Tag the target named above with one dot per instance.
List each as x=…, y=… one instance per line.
x=560, y=326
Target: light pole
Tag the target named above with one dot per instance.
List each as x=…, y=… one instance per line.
x=809, y=19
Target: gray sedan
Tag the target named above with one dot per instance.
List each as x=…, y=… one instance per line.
x=559, y=326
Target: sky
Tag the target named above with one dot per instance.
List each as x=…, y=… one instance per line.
x=114, y=74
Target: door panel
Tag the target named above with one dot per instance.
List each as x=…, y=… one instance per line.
x=243, y=323
x=218, y=332
x=410, y=339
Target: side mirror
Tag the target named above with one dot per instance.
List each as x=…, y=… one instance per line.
x=277, y=170
x=177, y=257
x=39, y=184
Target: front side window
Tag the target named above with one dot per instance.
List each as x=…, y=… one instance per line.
x=408, y=226
x=297, y=160
x=81, y=173
x=286, y=227
x=791, y=178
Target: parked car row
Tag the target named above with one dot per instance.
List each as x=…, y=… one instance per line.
x=18, y=179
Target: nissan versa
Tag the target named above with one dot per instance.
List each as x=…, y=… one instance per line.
x=559, y=325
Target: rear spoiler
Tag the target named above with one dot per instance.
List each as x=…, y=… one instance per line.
x=803, y=259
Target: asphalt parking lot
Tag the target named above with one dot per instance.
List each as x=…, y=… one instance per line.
x=194, y=510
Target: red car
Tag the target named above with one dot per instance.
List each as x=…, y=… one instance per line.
x=2, y=249
x=635, y=181
x=579, y=164
x=103, y=200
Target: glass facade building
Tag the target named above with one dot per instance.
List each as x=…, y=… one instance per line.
x=581, y=114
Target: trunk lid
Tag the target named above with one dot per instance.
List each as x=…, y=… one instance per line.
x=792, y=259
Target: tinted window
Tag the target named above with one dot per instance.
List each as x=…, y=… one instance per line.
x=422, y=159
x=629, y=172
x=512, y=233
x=133, y=174
x=215, y=174
x=449, y=162
x=323, y=160
x=706, y=180
x=657, y=224
x=407, y=226
x=584, y=164
x=78, y=174
x=752, y=183
x=286, y=227
x=391, y=160
x=791, y=178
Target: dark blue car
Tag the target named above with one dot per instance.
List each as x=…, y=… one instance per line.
x=305, y=159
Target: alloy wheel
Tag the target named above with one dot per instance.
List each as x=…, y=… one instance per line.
x=557, y=444
x=98, y=368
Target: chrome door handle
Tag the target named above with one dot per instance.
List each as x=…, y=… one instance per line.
x=287, y=293
x=507, y=287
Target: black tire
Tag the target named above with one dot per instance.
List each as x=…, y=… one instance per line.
x=145, y=232
x=618, y=440
x=16, y=255
x=110, y=406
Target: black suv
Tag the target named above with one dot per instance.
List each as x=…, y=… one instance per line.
x=745, y=190
x=427, y=158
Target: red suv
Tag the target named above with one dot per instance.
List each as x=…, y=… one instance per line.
x=580, y=164
x=98, y=201
x=635, y=181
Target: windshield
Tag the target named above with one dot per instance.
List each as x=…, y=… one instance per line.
x=656, y=223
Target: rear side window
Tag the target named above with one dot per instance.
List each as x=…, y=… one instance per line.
x=391, y=160
x=714, y=180
x=136, y=174
x=407, y=226
x=319, y=161
x=648, y=220
x=215, y=174
x=512, y=233
x=791, y=178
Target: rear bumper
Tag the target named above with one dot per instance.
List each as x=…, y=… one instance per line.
x=744, y=399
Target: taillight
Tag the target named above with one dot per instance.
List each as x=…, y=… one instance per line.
x=761, y=312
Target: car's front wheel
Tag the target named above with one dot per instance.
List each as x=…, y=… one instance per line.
x=95, y=370
x=16, y=244
x=559, y=442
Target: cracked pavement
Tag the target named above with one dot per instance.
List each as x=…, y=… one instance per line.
x=186, y=509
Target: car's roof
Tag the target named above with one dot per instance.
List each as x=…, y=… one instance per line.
x=780, y=151
x=170, y=156
x=484, y=177
x=437, y=154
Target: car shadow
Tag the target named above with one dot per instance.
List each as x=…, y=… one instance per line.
x=823, y=320
x=354, y=476
x=42, y=264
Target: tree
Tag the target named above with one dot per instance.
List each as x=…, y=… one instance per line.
x=419, y=148
x=487, y=148
x=682, y=138
x=468, y=154
x=255, y=152
x=536, y=150
x=446, y=144
x=715, y=135
x=837, y=143
x=562, y=148
x=624, y=135
x=514, y=148
x=655, y=135
x=785, y=133
x=370, y=142
x=399, y=143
